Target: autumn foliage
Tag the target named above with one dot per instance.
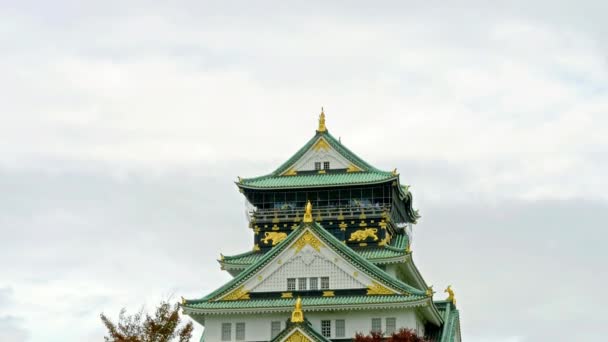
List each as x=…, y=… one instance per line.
x=164, y=326
x=403, y=335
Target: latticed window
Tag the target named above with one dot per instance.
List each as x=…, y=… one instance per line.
x=326, y=165
x=240, y=332
x=226, y=331
x=391, y=325
x=291, y=284
x=317, y=166
x=326, y=328
x=301, y=284
x=324, y=283
x=340, y=328
x=313, y=283
x=377, y=324
x=275, y=328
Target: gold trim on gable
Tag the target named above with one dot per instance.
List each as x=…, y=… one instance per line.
x=238, y=294
x=353, y=168
x=297, y=336
x=376, y=288
x=321, y=144
x=307, y=238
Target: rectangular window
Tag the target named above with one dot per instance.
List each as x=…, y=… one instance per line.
x=313, y=283
x=226, y=331
x=291, y=284
x=377, y=324
x=391, y=325
x=326, y=165
x=240, y=332
x=275, y=328
x=340, y=328
x=324, y=283
x=317, y=166
x=301, y=284
x=326, y=328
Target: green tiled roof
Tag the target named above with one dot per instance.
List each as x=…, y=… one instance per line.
x=306, y=327
x=368, y=175
x=308, y=303
x=451, y=317
x=318, y=180
x=333, y=243
x=376, y=255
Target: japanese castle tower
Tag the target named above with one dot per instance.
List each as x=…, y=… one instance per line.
x=331, y=257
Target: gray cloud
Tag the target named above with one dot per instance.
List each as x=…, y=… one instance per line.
x=123, y=126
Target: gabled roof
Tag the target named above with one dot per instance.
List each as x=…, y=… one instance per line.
x=396, y=251
x=304, y=328
x=332, y=242
x=362, y=173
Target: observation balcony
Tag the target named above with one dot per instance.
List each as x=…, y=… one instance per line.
x=287, y=213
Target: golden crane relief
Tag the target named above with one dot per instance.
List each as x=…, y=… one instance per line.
x=308, y=213
x=275, y=237
x=363, y=234
x=450, y=293
x=297, y=316
x=322, y=127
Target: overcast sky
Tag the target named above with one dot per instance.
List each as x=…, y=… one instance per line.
x=124, y=123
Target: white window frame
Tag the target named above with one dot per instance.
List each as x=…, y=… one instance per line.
x=326, y=328
x=239, y=331
x=324, y=283
x=291, y=284
x=392, y=327
x=377, y=328
x=226, y=331
x=315, y=282
x=275, y=328
x=302, y=282
x=340, y=328
x=318, y=166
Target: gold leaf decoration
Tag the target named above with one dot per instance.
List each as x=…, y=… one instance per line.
x=307, y=238
x=377, y=289
x=238, y=294
x=297, y=336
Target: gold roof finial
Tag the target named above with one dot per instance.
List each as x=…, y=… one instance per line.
x=322, y=127
x=450, y=293
x=308, y=213
x=297, y=316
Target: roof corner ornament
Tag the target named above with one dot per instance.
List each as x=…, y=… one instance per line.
x=240, y=179
x=308, y=213
x=297, y=316
x=322, y=127
x=395, y=173
x=183, y=300
x=429, y=291
x=450, y=293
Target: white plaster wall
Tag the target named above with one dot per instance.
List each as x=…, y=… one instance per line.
x=307, y=162
x=258, y=326
x=308, y=264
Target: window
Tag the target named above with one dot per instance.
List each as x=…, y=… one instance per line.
x=391, y=325
x=324, y=283
x=240, y=332
x=301, y=284
x=340, y=330
x=377, y=324
x=291, y=284
x=317, y=166
x=275, y=328
x=326, y=328
x=313, y=283
x=226, y=330
x=326, y=165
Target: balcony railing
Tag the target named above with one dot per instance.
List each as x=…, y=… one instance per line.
x=319, y=213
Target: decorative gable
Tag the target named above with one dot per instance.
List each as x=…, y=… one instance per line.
x=320, y=152
x=308, y=256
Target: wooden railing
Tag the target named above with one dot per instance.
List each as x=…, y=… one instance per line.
x=324, y=213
